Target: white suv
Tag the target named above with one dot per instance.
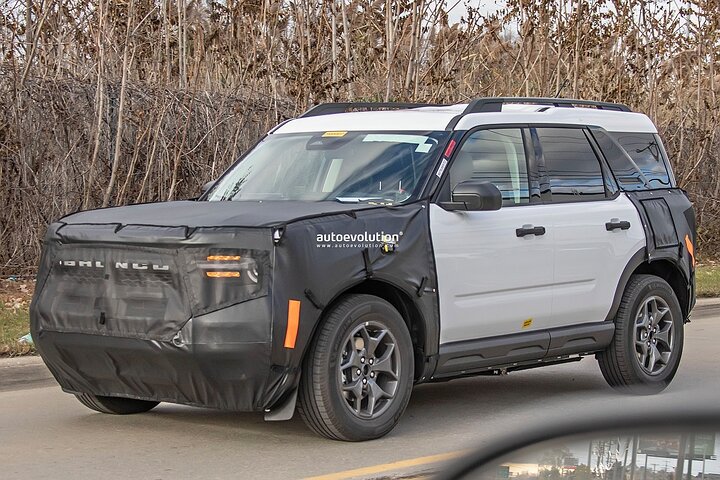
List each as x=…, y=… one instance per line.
x=350, y=255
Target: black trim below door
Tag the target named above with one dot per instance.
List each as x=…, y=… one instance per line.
x=475, y=356
x=583, y=338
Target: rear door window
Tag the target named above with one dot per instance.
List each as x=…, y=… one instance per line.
x=573, y=169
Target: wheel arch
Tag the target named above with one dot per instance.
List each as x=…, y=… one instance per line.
x=405, y=305
x=674, y=276
x=663, y=268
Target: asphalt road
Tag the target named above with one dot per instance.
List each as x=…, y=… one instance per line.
x=45, y=433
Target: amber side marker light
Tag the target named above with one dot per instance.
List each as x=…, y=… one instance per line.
x=223, y=258
x=690, y=249
x=223, y=274
x=293, y=322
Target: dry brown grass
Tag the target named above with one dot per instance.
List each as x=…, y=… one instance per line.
x=110, y=102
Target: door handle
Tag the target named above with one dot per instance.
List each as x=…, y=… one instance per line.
x=614, y=224
x=529, y=230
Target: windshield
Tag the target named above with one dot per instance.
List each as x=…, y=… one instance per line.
x=348, y=167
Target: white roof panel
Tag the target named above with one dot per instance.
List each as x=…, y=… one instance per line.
x=418, y=119
x=437, y=118
x=610, y=120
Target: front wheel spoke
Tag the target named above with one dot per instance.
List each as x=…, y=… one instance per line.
x=665, y=357
x=653, y=357
x=640, y=320
x=352, y=360
x=355, y=387
x=389, y=389
x=654, y=311
x=375, y=394
x=384, y=364
x=661, y=314
x=365, y=335
x=642, y=349
x=646, y=314
x=663, y=336
x=371, y=401
x=373, y=342
x=357, y=403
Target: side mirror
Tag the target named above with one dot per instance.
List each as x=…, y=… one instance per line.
x=207, y=187
x=473, y=195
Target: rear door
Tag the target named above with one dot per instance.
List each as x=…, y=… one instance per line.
x=596, y=229
x=494, y=277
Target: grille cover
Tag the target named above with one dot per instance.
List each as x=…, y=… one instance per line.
x=94, y=283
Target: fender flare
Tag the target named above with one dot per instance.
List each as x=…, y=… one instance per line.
x=635, y=261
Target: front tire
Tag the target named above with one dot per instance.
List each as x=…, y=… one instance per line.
x=358, y=375
x=115, y=405
x=646, y=349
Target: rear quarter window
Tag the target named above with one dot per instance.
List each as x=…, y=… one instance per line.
x=648, y=156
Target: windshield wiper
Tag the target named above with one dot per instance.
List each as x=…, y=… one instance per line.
x=362, y=199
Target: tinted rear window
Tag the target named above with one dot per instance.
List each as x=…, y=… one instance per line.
x=647, y=154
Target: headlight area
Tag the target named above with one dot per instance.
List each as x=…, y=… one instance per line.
x=221, y=277
x=231, y=266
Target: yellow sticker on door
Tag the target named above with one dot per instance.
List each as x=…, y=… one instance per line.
x=527, y=323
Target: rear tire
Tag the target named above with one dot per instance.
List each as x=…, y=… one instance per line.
x=358, y=374
x=646, y=349
x=115, y=405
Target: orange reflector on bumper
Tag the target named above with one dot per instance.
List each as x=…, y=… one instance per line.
x=223, y=274
x=293, y=322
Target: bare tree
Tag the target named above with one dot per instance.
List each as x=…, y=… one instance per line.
x=104, y=102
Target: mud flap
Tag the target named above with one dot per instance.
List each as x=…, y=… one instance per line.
x=283, y=411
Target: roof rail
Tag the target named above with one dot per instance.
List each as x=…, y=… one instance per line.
x=494, y=104
x=330, y=108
